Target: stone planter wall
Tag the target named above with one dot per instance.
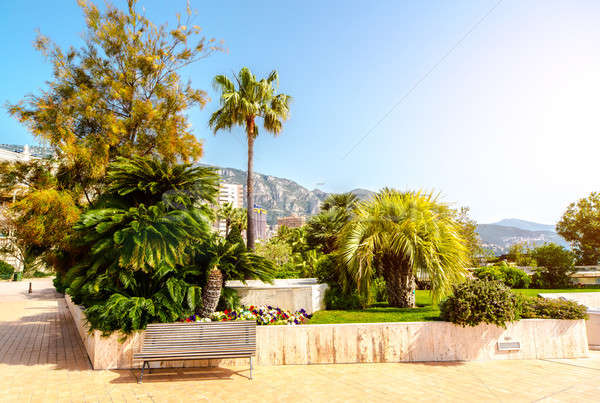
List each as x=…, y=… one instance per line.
x=373, y=342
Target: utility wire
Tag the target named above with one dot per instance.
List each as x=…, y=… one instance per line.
x=423, y=77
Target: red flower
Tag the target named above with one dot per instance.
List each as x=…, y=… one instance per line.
x=188, y=320
x=226, y=311
x=251, y=307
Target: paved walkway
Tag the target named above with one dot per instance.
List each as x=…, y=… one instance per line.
x=42, y=359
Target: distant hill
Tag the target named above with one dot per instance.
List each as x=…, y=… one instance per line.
x=499, y=238
x=526, y=225
x=282, y=197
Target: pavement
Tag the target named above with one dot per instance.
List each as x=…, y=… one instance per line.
x=42, y=359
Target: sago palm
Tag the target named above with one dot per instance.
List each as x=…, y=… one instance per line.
x=222, y=261
x=400, y=235
x=242, y=103
x=141, y=235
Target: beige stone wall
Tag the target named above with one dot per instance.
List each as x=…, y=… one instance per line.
x=288, y=294
x=593, y=329
x=373, y=342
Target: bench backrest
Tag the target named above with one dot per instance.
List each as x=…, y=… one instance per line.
x=209, y=338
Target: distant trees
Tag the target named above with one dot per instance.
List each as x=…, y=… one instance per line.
x=556, y=264
x=242, y=102
x=580, y=225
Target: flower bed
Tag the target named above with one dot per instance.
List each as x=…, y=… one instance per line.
x=263, y=315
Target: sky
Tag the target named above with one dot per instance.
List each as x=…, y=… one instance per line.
x=492, y=104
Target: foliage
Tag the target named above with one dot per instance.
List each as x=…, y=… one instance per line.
x=276, y=250
x=263, y=315
x=580, y=226
x=481, y=301
x=226, y=261
x=241, y=106
x=556, y=264
x=399, y=236
x=233, y=217
x=229, y=300
x=552, y=308
x=119, y=95
x=468, y=231
x=322, y=230
x=520, y=254
x=6, y=270
x=512, y=277
x=339, y=299
x=141, y=235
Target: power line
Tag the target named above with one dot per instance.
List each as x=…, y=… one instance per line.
x=423, y=77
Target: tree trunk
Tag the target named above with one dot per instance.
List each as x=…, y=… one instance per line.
x=211, y=292
x=400, y=286
x=250, y=190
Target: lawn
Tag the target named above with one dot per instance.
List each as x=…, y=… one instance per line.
x=425, y=311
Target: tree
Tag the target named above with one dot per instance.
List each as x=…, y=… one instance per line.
x=119, y=95
x=468, y=230
x=225, y=261
x=580, y=225
x=233, y=217
x=399, y=236
x=140, y=236
x=520, y=254
x=241, y=106
x=556, y=264
x=323, y=229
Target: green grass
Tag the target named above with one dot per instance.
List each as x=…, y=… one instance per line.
x=425, y=311
x=533, y=292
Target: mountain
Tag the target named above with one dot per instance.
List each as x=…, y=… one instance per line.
x=282, y=197
x=526, y=225
x=499, y=238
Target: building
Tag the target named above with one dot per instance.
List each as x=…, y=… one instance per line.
x=232, y=194
x=260, y=223
x=292, y=221
x=14, y=156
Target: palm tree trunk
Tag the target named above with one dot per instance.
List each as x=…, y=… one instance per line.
x=250, y=190
x=211, y=292
x=400, y=286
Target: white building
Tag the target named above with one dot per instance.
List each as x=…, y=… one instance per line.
x=11, y=156
x=232, y=194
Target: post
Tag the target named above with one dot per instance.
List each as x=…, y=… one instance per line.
x=250, y=367
x=30, y=290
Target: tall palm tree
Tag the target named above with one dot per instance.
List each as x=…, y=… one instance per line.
x=241, y=105
x=232, y=217
x=399, y=236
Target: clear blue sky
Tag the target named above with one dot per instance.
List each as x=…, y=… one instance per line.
x=507, y=124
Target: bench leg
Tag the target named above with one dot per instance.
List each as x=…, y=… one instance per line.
x=250, y=367
x=142, y=373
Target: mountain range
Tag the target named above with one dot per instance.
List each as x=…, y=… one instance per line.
x=501, y=235
x=283, y=197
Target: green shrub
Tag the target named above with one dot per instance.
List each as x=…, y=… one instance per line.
x=512, y=277
x=550, y=308
x=337, y=299
x=378, y=290
x=481, y=301
x=515, y=277
x=556, y=264
x=59, y=283
x=229, y=299
x=489, y=273
x=6, y=270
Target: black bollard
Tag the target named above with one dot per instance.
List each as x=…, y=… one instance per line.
x=30, y=290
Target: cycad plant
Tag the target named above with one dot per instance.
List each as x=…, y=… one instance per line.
x=400, y=235
x=141, y=235
x=224, y=261
x=242, y=103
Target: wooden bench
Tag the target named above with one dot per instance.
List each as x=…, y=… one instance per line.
x=197, y=341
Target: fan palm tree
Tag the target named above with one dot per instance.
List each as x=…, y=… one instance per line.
x=232, y=216
x=400, y=236
x=323, y=229
x=241, y=105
